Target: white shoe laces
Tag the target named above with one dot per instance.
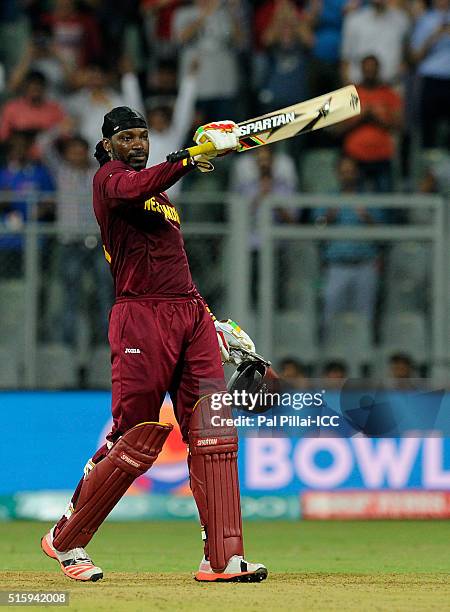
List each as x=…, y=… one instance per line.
x=79, y=554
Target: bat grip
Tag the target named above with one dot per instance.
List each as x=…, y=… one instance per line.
x=208, y=147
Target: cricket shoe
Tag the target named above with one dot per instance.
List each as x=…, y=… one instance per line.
x=74, y=563
x=237, y=570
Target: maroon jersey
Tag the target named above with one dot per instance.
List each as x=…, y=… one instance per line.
x=140, y=229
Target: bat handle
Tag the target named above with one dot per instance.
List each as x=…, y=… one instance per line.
x=208, y=147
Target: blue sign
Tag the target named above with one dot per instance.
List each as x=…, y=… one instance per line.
x=49, y=436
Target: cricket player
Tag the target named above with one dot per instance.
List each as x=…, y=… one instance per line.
x=163, y=338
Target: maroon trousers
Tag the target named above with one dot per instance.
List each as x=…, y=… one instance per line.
x=158, y=346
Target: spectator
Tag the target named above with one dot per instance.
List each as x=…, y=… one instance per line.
x=293, y=373
x=376, y=30
x=13, y=30
x=121, y=27
x=264, y=162
x=79, y=251
x=208, y=32
x=402, y=372
x=162, y=85
x=370, y=138
x=168, y=129
x=158, y=15
x=287, y=40
x=436, y=178
x=265, y=14
x=22, y=178
x=335, y=374
x=351, y=267
x=326, y=18
x=75, y=35
x=96, y=97
x=33, y=111
x=430, y=47
x=256, y=177
x=40, y=56
x=401, y=366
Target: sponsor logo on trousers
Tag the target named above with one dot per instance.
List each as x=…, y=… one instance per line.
x=130, y=460
x=207, y=442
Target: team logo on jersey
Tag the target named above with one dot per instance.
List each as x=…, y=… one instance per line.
x=170, y=212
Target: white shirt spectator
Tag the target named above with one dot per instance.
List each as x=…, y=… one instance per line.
x=74, y=188
x=213, y=47
x=245, y=180
x=89, y=114
x=369, y=32
x=436, y=63
x=167, y=141
x=245, y=174
x=172, y=139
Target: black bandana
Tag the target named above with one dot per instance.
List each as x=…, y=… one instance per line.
x=122, y=118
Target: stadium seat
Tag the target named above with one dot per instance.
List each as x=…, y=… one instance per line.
x=319, y=171
x=299, y=273
x=405, y=332
x=349, y=339
x=407, y=277
x=295, y=336
x=9, y=369
x=55, y=367
x=99, y=368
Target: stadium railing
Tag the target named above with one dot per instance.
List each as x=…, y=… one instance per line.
x=273, y=291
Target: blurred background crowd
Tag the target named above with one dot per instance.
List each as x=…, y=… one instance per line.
x=64, y=64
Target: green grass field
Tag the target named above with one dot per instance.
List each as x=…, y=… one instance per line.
x=316, y=566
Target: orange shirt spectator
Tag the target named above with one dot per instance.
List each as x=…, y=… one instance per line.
x=32, y=112
x=369, y=138
x=373, y=141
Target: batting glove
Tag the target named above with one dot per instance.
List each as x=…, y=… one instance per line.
x=224, y=135
x=232, y=339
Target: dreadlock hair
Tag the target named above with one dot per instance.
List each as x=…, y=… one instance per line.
x=101, y=154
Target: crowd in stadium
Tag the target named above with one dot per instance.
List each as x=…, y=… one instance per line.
x=64, y=64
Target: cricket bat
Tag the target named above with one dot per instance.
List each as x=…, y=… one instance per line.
x=287, y=122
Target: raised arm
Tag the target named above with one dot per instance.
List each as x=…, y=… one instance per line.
x=183, y=112
x=132, y=185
